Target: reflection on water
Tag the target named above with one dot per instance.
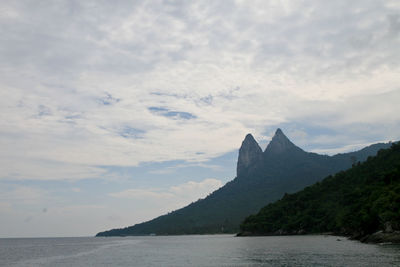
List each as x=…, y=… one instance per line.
x=208, y=250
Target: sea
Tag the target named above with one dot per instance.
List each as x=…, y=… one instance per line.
x=196, y=250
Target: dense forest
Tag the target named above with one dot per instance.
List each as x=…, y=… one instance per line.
x=263, y=177
x=356, y=202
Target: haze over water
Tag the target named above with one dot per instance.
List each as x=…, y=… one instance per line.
x=207, y=250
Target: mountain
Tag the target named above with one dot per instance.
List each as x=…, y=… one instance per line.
x=280, y=144
x=357, y=203
x=262, y=177
x=250, y=153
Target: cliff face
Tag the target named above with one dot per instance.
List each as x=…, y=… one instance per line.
x=250, y=154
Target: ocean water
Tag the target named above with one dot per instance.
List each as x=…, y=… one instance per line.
x=207, y=250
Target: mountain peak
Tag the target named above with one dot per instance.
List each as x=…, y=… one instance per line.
x=249, y=153
x=249, y=137
x=279, y=132
x=279, y=143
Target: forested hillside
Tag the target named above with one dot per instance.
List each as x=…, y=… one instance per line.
x=356, y=202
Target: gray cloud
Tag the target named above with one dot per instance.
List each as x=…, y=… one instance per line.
x=79, y=78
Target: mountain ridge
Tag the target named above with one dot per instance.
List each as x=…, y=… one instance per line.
x=261, y=178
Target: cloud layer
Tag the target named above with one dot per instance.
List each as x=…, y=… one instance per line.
x=189, y=191
x=91, y=84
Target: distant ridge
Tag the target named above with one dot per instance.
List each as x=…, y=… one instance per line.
x=262, y=177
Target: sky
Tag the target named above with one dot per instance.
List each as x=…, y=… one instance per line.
x=115, y=112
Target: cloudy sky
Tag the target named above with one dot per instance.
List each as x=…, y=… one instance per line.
x=114, y=112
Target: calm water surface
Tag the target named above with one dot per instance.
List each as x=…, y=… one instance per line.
x=212, y=250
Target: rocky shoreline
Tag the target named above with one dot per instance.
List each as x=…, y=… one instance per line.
x=375, y=238
x=382, y=237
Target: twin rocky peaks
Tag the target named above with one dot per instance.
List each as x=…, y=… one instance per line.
x=250, y=152
x=262, y=177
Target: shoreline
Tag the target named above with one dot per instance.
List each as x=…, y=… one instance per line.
x=379, y=237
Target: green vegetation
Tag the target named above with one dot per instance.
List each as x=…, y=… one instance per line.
x=282, y=167
x=356, y=202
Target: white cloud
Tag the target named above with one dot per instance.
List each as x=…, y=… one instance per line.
x=76, y=93
x=196, y=189
x=141, y=194
x=28, y=168
x=5, y=206
x=76, y=189
x=145, y=204
x=186, y=192
x=24, y=194
x=343, y=149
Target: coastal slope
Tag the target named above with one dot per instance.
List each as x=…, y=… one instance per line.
x=362, y=202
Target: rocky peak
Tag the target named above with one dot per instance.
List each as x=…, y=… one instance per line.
x=249, y=153
x=279, y=143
